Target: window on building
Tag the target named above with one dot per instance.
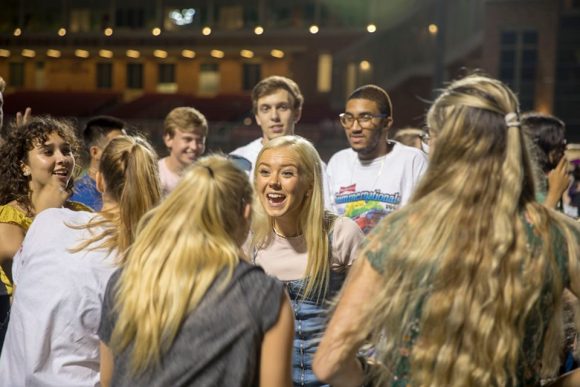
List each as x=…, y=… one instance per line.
x=209, y=79
x=80, y=20
x=252, y=74
x=104, y=75
x=166, y=78
x=16, y=74
x=231, y=17
x=130, y=18
x=324, y=79
x=519, y=62
x=135, y=75
x=39, y=75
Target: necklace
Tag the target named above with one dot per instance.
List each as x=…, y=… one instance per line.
x=279, y=233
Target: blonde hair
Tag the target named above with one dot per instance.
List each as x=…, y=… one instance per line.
x=462, y=276
x=186, y=119
x=129, y=168
x=180, y=249
x=315, y=222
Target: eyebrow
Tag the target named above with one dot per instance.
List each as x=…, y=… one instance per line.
x=282, y=166
x=361, y=113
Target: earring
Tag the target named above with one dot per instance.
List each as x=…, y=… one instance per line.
x=26, y=173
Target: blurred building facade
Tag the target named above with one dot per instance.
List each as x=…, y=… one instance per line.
x=139, y=58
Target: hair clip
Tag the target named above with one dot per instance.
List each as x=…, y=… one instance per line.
x=512, y=119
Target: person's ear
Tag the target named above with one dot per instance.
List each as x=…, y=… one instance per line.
x=297, y=115
x=95, y=152
x=168, y=140
x=248, y=211
x=388, y=122
x=25, y=169
x=100, y=180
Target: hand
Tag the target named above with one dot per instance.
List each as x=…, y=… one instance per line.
x=23, y=119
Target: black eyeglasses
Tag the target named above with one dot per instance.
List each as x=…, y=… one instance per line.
x=365, y=121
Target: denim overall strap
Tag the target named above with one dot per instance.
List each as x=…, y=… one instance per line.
x=310, y=318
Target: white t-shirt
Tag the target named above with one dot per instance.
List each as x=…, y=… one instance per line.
x=52, y=334
x=250, y=152
x=367, y=191
x=286, y=258
x=168, y=179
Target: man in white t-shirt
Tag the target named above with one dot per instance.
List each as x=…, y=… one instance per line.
x=184, y=133
x=277, y=105
x=374, y=176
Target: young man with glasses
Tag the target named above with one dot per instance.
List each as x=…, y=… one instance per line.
x=374, y=176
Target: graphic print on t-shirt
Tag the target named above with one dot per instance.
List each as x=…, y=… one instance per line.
x=366, y=208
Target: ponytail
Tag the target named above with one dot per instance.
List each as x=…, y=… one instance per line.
x=129, y=168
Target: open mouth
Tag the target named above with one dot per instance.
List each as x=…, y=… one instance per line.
x=275, y=198
x=61, y=172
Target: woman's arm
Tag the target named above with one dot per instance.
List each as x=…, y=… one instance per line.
x=107, y=365
x=11, y=237
x=276, y=358
x=558, y=182
x=335, y=361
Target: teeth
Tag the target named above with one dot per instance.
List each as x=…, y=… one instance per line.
x=276, y=196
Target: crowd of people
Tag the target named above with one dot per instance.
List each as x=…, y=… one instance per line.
x=432, y=257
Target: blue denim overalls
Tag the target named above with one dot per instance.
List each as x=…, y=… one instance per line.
x=310, y=318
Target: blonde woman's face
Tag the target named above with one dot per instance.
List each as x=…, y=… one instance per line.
x=280, y=186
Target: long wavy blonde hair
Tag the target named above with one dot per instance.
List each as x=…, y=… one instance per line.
x=315, y=222
x=461, y=276
x=180, y=249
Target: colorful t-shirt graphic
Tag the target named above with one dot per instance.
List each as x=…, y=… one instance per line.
x=367, y=191
x=366, y=208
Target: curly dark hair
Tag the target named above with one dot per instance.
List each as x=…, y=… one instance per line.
x=14, y=151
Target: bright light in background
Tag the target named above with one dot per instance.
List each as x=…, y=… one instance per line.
x=259, y=30
x=182, y=17
x=160, y=54
x=62, y=31
x=53, y=53
x=371, y=28
x=433, y=29
x=17, y=32
x=108, y=31
x=82, y=53
x=133, y=54
x=277, y=53
x=247, y=54
x=156, y=31
x=4, y=53
x=206, y=31
x=365, y=65
x=188, y=54
x=106, y=54
x=217, y=54
x=313, y=29
x=28, y=53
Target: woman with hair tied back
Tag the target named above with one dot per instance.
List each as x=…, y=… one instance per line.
x=62, y=269
x=298, y=242
x=465, y=283
x=185, y=309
